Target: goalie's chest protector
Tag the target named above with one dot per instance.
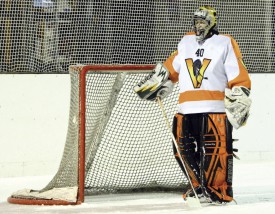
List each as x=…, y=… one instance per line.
x=202, y=73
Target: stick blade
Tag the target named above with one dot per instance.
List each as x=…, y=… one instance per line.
x=192, y=202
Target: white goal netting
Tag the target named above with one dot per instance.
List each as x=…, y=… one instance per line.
x=46, y=36
x=128, y=147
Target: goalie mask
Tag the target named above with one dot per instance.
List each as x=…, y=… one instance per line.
x=205, y=21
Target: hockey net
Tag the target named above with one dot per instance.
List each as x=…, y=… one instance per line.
x=116, y=142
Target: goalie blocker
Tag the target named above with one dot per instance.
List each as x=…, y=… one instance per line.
x=156, y=84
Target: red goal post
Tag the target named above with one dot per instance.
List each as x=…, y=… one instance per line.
x=83, y=71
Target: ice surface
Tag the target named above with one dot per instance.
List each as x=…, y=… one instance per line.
x=254, y=188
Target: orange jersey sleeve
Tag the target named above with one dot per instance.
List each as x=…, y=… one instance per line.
x=174, y=76
x=242, y=78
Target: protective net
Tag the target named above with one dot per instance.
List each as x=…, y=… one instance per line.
x=46, y=36
x=127, y=143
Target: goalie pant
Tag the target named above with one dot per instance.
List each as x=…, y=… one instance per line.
x=205, y=143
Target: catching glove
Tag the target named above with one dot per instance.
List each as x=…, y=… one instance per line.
x=237, y=105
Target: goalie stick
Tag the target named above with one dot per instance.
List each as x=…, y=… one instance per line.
x=191, y=202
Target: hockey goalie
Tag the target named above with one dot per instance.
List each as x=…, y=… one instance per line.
x=214, y=97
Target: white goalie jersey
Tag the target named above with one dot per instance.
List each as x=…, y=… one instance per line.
x=205, y=70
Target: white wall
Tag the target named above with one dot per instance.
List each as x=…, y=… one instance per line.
x=34, y=113
x=257, y=138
